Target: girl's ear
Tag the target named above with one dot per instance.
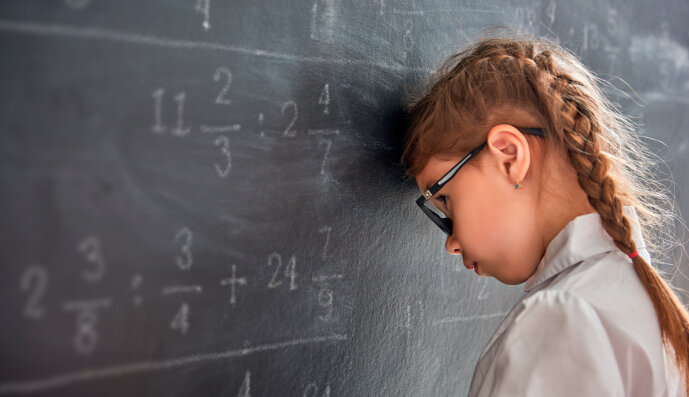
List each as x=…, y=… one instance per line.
x=510, y=151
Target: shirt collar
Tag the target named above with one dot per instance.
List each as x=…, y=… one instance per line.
x=581, y=238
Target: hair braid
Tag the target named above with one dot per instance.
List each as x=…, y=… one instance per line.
x=580, y=131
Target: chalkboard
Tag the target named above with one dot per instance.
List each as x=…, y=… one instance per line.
x=204, y=198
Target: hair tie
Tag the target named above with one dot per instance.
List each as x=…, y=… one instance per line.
x=633, y=254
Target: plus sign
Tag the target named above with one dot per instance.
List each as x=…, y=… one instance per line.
x=233, y=281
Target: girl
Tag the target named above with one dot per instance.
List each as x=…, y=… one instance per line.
x=536, y=178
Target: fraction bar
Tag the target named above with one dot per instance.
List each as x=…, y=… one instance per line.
x=220, y=128
x=86, y=304
x=324, y=131
x=181, y=289
x=326, y=278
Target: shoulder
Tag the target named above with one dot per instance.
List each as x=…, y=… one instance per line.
x=603, y=289
x=606, y=283
x=544, y=315
x=556, y=334
x=553, y=323
x=554, y=340
x=554, y=312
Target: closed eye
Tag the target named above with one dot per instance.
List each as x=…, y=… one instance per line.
x=443, y=200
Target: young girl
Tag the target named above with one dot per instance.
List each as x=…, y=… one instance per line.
x=536, y=178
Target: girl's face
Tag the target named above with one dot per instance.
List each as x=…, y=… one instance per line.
x=494, y=225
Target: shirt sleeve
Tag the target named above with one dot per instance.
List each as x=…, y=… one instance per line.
x=557, y=346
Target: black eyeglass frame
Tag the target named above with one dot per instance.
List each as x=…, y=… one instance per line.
x=445, y=224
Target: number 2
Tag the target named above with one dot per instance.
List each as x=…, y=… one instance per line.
x=34, y=280
x=288, y=131
x=221, y=99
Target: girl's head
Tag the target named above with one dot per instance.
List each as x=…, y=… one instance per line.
x=481, y=95
x=589, y=159
x=502, y=216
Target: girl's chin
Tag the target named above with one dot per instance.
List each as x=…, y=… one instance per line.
x=479, y=271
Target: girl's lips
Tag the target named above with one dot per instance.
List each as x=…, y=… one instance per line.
x=470, y=267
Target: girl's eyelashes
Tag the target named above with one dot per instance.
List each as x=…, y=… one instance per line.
x=443, y=199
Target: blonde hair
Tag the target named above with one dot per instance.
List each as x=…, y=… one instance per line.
x=499, y=78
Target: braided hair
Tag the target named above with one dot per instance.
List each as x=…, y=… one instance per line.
x=532, y=81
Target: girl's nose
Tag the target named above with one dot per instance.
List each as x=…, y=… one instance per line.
x=452, y=245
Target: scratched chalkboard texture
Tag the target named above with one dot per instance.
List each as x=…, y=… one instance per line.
x=202, y=197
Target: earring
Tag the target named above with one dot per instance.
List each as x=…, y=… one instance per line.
x=517, y=186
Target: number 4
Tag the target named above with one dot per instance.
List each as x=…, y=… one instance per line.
x=181, y=319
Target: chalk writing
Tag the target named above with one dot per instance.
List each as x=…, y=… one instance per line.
x=203, y=7
x=34, y=281
x=90, y=247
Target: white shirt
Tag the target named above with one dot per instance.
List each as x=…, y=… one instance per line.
x=586, y=326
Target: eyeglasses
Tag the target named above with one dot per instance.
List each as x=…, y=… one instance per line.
x=445, y=224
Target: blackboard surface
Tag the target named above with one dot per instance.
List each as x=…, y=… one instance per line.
x=202, y=197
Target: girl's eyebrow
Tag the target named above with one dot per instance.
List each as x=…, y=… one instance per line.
x=428, y=186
